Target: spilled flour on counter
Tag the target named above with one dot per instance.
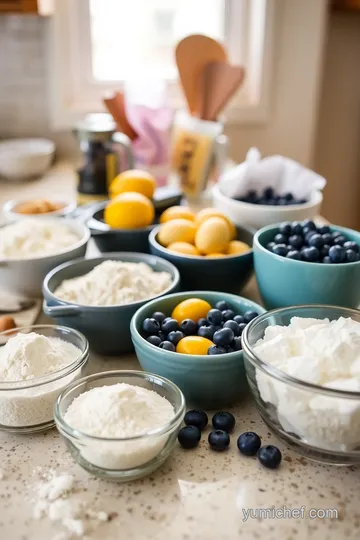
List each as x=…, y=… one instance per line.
x=60, y=498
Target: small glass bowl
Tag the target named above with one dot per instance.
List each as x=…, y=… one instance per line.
x=27, y=406
x=321, y=423
x=127, y=458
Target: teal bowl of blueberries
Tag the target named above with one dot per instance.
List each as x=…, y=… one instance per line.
x=302, y=263
x=215, y=378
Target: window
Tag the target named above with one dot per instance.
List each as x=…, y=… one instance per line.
x=97, y=44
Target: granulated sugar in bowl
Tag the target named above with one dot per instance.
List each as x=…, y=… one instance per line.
x=120, y=424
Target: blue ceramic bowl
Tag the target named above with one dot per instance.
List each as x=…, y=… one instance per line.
x=228, y=274
x=207, y=381
x=286, y=282
x=106, y=327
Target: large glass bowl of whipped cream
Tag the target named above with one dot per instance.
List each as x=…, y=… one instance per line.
x=303, y=368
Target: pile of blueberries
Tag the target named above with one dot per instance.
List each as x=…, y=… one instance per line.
x=306, y=242
x=222, y=326
x=270, y=198
x=248, y=443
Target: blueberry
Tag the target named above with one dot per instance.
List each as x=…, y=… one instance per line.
x=296, y=228
x=335, y=234
x=249, y=443
x=196, y=418
x=268, y=193
x=326, y=260
x=215, y=316
x=162, y=335
x=228, y=315
x=229, y=348
x=242, y=327
x=222, y=305
x=154, y=340
x=309, y=224
x=337, y=254
x=280, y=249
x=214, y=349
x=189, y=436
x=158, y=316
x=233, y=326
x=352, y=245
x=316, y=240
x=288, y=196
x=169, y=325
x=294, y=254
x=239, y=319
x=188, y=327
x=327, y=239
x=202, y=322
x=250, y=315
x=223, y=337
x=224, y=421
x=270, y=246
x=280, y=239
x=167, y=346
x=324, y=250
x=219, y=440
x=150, y=326
x=296, y=241
x=236, y=343
x=175, y=336
x=308, y=235
x=351, y=255
x=283, y=202
x=269, y=456
x=311, y=254
x=339, y=240
x=324, y=229
x=206, y=332
x=285, y=228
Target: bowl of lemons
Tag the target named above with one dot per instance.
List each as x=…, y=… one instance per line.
x=209, y=251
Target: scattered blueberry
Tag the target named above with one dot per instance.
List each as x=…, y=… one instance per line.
x=189, y=436
x=222, y=305
x=167, y=346
x=202, y=322
x=233, y=325
x=158, y=316
x=280, y=249
x=250, y=315
x=239, y=319
x=151, y=326
x=224, y=421
x=214, y=349
x=316, y=240
x=236, y=344
x=295, y=255
x=154, y=340
x=269, y=456
x=206, y=332
x=270, y=198
x=228, y=315
x=223, y=337
x=337, y=254
x=280, y=239
x=215, y=316
x=219, y=440
x=175, y=336
x=169, y=325
x=188, y=327
x=249, y=443
x=196, y=418
x=296, y=241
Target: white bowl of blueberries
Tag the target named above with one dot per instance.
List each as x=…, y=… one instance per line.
x=259, y=209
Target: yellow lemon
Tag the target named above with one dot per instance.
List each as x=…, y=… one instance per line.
x=129, y=211
x=236, y=247
x=177, y=230
x=213, y=236
x=215, y=255
x=207, y=213
x=184, y=247
x=176, y=212
x=194, y=345
x=192, y=308
x=133, y=180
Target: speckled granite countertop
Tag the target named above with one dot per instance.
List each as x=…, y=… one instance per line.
x=196, y=495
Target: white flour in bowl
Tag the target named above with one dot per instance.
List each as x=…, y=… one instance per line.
x=114, y=283
x=26, y=357
x=120, y=411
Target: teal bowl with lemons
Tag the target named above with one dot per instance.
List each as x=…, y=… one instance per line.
x=207, y=381
x=285, y=282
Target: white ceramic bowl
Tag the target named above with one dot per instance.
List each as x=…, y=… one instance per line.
x=24, y=277
x=10, y=213
x=21, y=159
x=257, y=215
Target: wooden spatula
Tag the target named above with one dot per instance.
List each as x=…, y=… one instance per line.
x=192, y=54
x=115, y=104
x=219, y=81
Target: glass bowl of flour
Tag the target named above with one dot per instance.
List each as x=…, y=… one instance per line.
x=120, y=425
x=303, y=367
x=36, y=364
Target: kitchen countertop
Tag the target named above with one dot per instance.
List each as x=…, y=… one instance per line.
x=197, y=494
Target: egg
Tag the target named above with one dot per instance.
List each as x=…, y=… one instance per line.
x=191, y=308
x=236, y=247
x=194, y=345
x=207, y=213
x=213, y=236
x=177, y=230
x=177, y=212
x=184, y=247
x=7, y=323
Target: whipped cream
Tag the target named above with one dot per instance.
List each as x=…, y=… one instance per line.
x=322, y=352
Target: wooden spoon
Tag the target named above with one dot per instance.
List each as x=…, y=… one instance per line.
x=115, y=104
x=219, y=82
x=192, y=54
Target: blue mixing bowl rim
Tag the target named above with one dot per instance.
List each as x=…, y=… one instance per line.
x=143, y=257
x=275, y=227
x=153, y=241
x=189, y=357
x=280, y=375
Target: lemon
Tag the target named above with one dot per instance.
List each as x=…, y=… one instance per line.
x=177, y=230
x=207, y=213
x=194, y=345
x=192, y=308
x=176, y=212
x=129, y=211
x=133, y=180
x=183, y=247
x=213, y=236
x=236, y=247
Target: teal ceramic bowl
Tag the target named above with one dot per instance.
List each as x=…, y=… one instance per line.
x=207, y=381
x=228, y=274
x=284, y=282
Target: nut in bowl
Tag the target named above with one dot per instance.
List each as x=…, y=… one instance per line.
x=15, y=210
x=99, y=435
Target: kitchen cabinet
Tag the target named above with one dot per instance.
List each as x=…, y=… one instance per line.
x=41, y=7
